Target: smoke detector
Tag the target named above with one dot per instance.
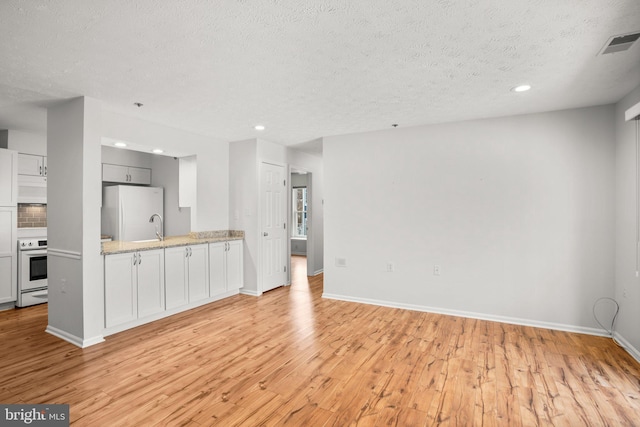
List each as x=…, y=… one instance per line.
x=620, y=43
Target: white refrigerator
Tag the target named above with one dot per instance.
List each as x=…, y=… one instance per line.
x=126, y=210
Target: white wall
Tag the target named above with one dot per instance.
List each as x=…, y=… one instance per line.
x=212, y=211
x=518, y=212
x=120, y=156
x=299, y=180
x=626, y=281
x=25, y=142
x=177, y=221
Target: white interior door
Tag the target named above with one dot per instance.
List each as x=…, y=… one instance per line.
x=273, y=202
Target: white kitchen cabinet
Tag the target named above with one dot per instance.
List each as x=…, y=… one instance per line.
x=186, y=274
x=134, y=286
x=175, y=281
x=198, y=272
x=31, y=164
x=8, y=177
x=125, y=174
x=150, y=282
x=120, y=293
x=225, y=266
x=8, y=254
x=235, y=266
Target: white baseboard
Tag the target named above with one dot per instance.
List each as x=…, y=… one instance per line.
x=7, y=306
x=250, y=292
x=315, y=273
x=634, y=352
x=298, y=253
x=77, y=341
x=473, y=315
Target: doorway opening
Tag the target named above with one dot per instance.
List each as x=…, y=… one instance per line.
x=301, y=220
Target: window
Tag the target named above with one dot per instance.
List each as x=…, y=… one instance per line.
x=299, y=198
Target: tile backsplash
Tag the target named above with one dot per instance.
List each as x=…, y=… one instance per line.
x=32, y=215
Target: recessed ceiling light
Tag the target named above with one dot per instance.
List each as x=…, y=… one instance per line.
x=521, y=88
x=157, y=151
x=120, y=144
x=259, y=127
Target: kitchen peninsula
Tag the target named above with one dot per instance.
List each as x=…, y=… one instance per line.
x=148, y=280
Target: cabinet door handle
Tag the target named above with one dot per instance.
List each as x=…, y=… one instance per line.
x=40, y=170
x=45, y=171
x=135, y=259
x=139, y=258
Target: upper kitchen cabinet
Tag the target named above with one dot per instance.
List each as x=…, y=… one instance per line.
x=30, y=164
x=8, y=178
x=125, y=174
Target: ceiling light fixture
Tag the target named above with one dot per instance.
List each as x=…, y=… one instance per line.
x=521, y=88
x=157, y=151
x=260, y=127
x=120, y=144
x=138, y=104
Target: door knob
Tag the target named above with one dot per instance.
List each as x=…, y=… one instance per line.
x=265, y=234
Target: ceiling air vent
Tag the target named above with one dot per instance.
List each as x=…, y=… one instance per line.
x=620, y=43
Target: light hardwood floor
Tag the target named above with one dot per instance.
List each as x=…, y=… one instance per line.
x=291, y=358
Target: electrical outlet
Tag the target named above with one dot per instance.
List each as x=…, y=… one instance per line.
x=436, y=270
x=390, y=267
x=63, y=286
x=341, y=262
x=624, y=292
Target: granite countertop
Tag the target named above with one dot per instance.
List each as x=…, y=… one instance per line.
x=193, y=238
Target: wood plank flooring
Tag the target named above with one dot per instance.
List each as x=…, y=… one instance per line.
x=291, y=358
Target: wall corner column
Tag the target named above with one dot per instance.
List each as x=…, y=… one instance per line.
x=75, y=272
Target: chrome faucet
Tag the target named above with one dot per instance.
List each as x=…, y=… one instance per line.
x=160, y=233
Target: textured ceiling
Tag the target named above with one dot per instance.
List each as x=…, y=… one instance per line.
x=308, y=69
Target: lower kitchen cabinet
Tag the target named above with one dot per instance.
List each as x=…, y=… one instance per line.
x=186, y=274
x=8, y=254
x=134, y=286
x=150, y=282
x=225, y=266
x=141, y=286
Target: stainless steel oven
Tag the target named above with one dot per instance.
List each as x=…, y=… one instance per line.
x=32, y=272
